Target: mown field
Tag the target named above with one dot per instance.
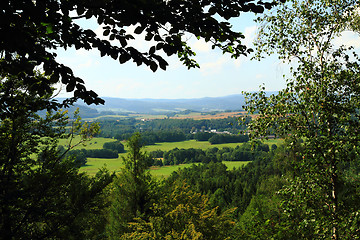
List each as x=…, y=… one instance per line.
x=94, y=164
x=192, y=115
x=201, y=116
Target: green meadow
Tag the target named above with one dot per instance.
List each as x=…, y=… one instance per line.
x=95, y=143
x=165, y=171
x=94, y=164
x=113, y=165
x=166, y=146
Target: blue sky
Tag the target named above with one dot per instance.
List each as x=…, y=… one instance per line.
x=219, y=75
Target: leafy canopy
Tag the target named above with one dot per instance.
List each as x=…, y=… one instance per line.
x=319, y=105
x=30, y=31
x=42, y=193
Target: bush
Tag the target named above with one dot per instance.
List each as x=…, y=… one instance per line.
x=116, y=146
x=203, y=136
x=157, y=154
x=100, y=153
x=228, y=138
x=78, y=156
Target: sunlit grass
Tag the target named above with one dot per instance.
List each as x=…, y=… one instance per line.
x=166, y=171
x=94, y=164
x=166, y=146
x=95, y=143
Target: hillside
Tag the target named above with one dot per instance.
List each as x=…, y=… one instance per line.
x=152, y=106
x=125, y=106
x=232, y=102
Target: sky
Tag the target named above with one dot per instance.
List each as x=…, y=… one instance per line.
x=219, y=75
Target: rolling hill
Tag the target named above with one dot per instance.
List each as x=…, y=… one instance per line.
x=207, y=104
x=157, y=106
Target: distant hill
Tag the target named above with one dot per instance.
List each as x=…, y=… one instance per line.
x=152, y=106
x=173, y=105
x=207, y=104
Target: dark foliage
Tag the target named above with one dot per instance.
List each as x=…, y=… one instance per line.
x=227, y=138
x=245, y=152
x=226, y=188
x=31, y=30
x=166, y=129
x=203, y=136
x=116, y=146
x=100, y=153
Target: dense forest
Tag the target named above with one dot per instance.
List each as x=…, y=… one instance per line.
x=122, y=129
x=245, y=152
x=306, y=188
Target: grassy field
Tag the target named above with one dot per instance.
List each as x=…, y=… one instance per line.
x=137, y=116
x=94, y=164
x=95, y=143
x=167, y=170
x=198, y=115
x=162, y=115
x=166, y=146
x=114, y=165
x=197, y=144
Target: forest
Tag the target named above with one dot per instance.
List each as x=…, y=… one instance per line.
x=244, y=152
x=308, y=187
x=172, y=130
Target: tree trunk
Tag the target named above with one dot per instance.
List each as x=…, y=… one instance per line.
x=334, y=201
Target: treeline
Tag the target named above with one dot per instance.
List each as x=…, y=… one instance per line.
x=116, y=128
x=99, y=153
x=79, y=156
x=230, y=124
x=227, y=138
x=258, y=192
x=216, y=138
x=123, y=128
x=245, y=152
x=206, y=199
x=152, y=137
x=227, y=188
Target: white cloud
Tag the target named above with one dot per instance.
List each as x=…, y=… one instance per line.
x=122, y=87
x=99, y=32
x=89, y=63
x=249, y=33
x=348, y=38
x=82, y=52
x=240, y=61
x=201, y=46
x=259, y=76
x=208, y=68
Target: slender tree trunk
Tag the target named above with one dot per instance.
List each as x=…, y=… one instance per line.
x=334, y=201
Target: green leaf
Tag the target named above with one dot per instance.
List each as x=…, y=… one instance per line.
x=152, y=50
x=123, y=41
x=106, y=32
x=49, y=29
x=153, y=66
x=80, y=10
x=124, y=57
x=163, y=64
x=149, y=36
x=70, y=87
x=139, y=30
x=158, y=38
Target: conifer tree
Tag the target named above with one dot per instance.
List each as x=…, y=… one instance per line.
x=132, y=189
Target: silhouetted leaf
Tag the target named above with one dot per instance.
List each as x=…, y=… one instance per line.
x=153, y=66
